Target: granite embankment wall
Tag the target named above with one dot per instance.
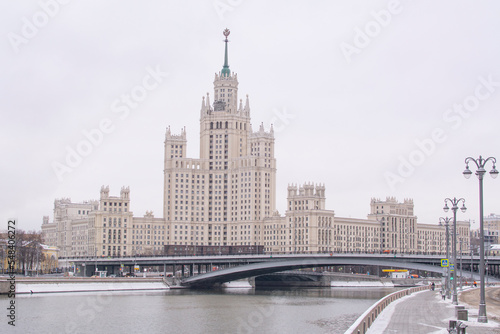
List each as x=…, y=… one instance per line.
x=4, y=287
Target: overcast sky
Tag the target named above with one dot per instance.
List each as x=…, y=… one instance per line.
x=370, y=98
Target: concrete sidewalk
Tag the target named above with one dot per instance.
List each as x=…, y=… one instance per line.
x=425, y=312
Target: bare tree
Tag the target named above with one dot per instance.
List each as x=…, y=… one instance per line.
x=28, y=250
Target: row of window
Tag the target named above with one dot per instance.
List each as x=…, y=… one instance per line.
x=115, y=204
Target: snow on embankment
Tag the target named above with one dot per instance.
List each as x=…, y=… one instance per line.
x=68, y=286
x=362, y=284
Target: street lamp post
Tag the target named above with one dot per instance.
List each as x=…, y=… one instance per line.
x=471, y=263
x=446, y=222
x=480, y=163
x=486, y=270
x=487, y=252
x=461, y=271
x=454, y=207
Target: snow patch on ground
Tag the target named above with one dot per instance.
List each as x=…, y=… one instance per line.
x=91, y=286
x=362, y=284
x=238, y=284
x=472, y=314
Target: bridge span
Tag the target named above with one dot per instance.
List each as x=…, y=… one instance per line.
x=241, y=266
x=278, y=265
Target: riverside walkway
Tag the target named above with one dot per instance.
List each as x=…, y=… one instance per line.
x=425, y=312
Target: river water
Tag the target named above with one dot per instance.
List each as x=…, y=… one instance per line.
x=321, y=310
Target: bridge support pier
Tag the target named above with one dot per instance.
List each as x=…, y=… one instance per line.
x=89, y=270
x=191, y=270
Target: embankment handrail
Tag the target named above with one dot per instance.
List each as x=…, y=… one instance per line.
x=361, y=325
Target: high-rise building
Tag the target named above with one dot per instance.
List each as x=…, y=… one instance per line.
x=230, y=189
x=226, y=197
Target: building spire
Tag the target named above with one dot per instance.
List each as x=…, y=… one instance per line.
x=225, y=69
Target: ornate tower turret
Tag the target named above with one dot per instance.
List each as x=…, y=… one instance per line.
x=226, y=86
x=104, y=191
x=224, y=120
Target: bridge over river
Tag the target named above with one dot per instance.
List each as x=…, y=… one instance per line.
x=234, y=267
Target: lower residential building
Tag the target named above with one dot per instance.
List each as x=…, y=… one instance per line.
x=108, y=228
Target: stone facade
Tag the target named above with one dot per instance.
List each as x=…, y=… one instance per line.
x=69, y=230
x=398, y=224
x=491, y=229
x=110, y=229
x=306, y=226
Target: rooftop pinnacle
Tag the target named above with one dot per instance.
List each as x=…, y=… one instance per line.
x=225, y=69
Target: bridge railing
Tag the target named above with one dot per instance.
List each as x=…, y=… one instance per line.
x=364, y=322
x=138, y=256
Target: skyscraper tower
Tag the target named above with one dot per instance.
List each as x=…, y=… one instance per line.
x=232, y=186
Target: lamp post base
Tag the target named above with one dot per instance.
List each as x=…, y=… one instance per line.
x=455, y=299
x=482, y=314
